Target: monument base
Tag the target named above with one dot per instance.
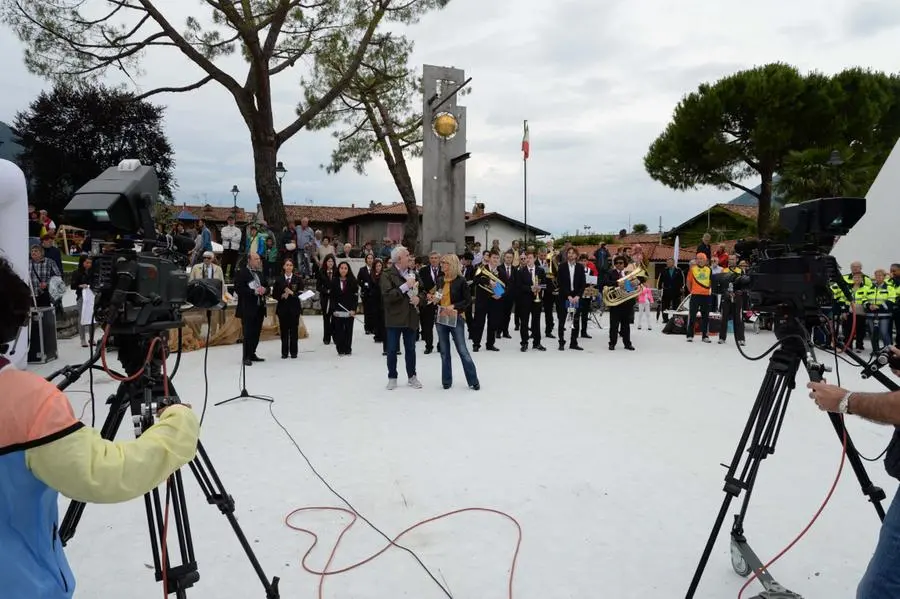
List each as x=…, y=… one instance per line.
x=443, y=247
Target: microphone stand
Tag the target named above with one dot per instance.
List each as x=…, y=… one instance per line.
x=244, y=394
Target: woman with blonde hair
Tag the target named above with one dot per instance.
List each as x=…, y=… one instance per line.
x=451, y=296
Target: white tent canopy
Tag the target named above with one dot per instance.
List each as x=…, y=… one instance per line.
x=872, y=240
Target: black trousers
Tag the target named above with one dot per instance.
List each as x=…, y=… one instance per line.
x=732, y=309
x=229, y=263
x=699, y=303
x=327, y=319
x=562, y=312
x=251, y=324
x=584, y=309
x=368, y=315
x=342, y=331
x=509, y=306
x=487, y=316
x=669, y=301
x=427, y=316
x=620, y=324
x=288, y=327
x=529, y=315
x=549, y=308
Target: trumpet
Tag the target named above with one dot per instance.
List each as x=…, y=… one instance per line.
x=486, y=272
x=619, y=294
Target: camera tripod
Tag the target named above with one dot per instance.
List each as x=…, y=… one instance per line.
x=143, y=396
x=758, y=441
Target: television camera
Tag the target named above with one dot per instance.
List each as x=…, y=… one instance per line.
x=792, y=279
x=139, y=278
x=795, y=273
x=140, y=285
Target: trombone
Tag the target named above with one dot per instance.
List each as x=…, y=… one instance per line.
x=486, y=272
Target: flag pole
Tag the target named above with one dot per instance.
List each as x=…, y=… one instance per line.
x=526, y=149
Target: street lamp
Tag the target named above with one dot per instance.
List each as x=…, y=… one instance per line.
x=234, y=192
x=280, y=172
x=835, y=161
x=587, y=229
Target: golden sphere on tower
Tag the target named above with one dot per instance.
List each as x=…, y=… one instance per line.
x=444, y=125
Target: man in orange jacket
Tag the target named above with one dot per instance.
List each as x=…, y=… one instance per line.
x=699, y=283
x=45, y=451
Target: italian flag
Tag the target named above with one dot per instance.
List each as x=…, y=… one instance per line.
x=526, y=144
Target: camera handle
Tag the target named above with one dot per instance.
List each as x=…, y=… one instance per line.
x=758, y=441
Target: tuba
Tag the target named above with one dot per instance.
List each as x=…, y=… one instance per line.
x=614, y=296
x=486, y=272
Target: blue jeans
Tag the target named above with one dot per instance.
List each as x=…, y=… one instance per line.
x=880, y=331
x=882, y=577
x=393, y=335
x=459, y=340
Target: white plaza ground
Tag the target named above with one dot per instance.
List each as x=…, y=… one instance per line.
x=608, y=460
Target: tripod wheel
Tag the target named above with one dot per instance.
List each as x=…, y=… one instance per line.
x=738, y=562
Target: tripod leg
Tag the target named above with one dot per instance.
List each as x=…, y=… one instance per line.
x=118, y=405
x=875, y=494
x=761, y=432
x=215, y=493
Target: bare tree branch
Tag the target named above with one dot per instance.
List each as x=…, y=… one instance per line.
x=175, y=90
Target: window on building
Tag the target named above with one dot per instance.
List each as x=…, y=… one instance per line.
x=395, y=232
x=353, y=235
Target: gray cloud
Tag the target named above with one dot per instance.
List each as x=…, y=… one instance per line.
x=872, y=17
x=596, y=79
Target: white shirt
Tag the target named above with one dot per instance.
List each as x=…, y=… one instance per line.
x=572, y=274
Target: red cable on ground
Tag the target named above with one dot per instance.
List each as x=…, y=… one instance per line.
x=803, y=532
x=326, y=572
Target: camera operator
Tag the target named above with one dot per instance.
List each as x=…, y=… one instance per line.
x=45, y=451
x=882, y=577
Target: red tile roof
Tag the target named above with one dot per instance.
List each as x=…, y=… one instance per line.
x=749, y=212
x=217, y=213
x=321, y=214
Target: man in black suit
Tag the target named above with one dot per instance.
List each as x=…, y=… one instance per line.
x=428, y=278
x=571, y=281
x=530, y=301
x=249, y=285
x=507, y=274
x=619, y=316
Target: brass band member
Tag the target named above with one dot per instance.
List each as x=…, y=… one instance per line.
x=571, y=283
x=488, y=306
x=326, y=275
x=531, y=282
x=545, y=261
x=507, y=274
x=344, y=294
x=286, y=290
x=619, y=316
x=428, y=275
x=368, y=293
x=590, y=292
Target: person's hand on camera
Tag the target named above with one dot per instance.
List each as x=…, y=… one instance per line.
x=826, y=396
x=164, y=408
x=895, y=353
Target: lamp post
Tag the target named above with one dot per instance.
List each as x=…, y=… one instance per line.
x=234, y=193
x=835, y=161
x=587, y=230
x=280, y=172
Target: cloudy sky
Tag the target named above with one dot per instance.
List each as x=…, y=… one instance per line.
x=596, y=79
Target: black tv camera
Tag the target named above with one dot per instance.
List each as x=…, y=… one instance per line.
x=139, y=279
x=795, y=273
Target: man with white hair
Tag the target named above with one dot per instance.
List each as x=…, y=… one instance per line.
x=401, y=295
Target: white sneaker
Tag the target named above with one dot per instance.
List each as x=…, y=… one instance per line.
x=392, y=384
x=414, y=383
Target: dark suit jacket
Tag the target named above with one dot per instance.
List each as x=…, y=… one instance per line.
x=346, y=298
x=290, y=307
x=398, y=312
x=509, y=279
x=247, y=298
x=569, y=288
x=429, y=282
x=523, y=282
x=364, y=279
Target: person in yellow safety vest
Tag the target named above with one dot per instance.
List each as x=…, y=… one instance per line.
x=859, y=284
x=878, y=301
x=732, y=306
x=894, y=282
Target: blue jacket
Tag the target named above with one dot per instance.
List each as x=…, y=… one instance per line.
x=33, y=563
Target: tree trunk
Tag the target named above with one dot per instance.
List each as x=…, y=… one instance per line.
x=764, y=216
x=265, y=155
